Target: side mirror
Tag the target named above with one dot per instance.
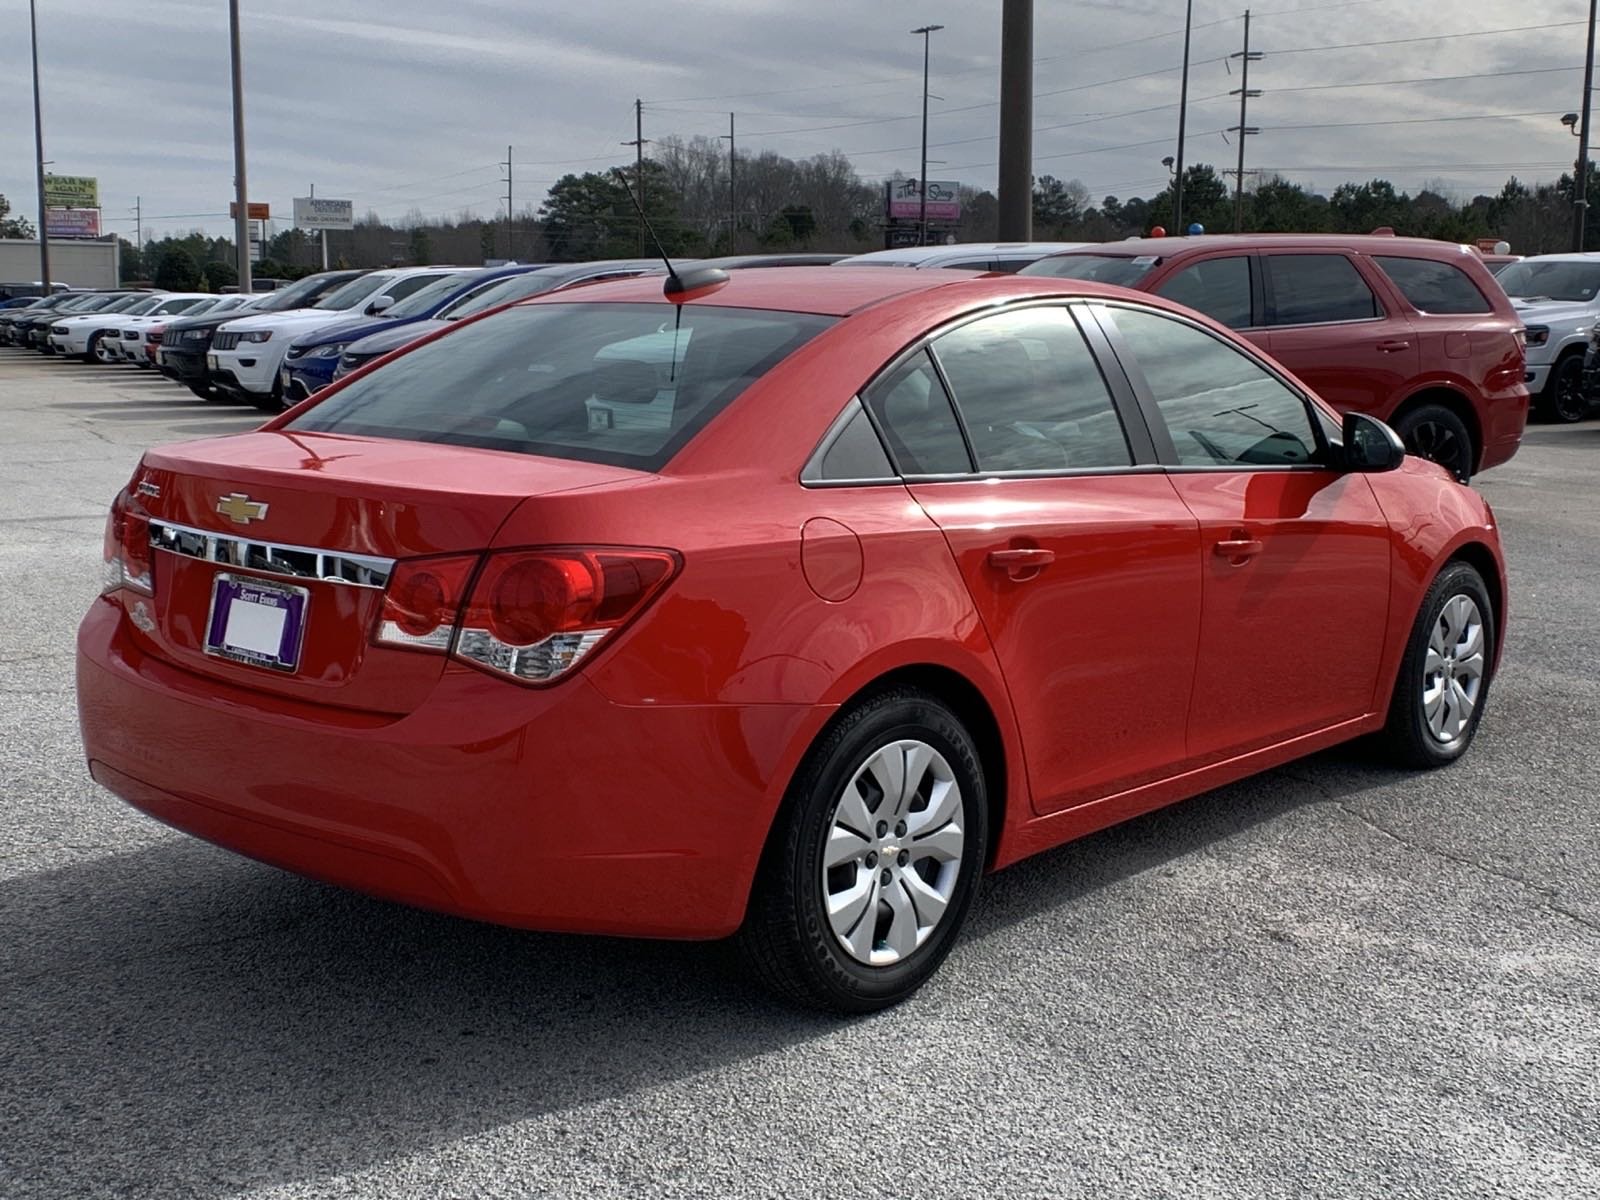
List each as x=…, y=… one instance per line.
x=380, y=305
x=1370, y=445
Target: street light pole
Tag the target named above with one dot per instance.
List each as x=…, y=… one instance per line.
x=922, y=180
x=1580, y=183
x=1016, y=122
x=38, y=143
x=1183, y=119
x=241, y=217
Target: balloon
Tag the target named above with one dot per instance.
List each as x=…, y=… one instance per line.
x=1196, y=229
x=1159, y=231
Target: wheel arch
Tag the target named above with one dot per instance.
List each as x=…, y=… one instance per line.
x=1482, y=559
x=1452, y=399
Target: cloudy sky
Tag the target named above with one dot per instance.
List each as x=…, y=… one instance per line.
x=406, y=105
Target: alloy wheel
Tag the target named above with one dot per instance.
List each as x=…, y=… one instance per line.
x=1439, y=443
x=1452, y=670
x=893, y=854
x=1567, y=401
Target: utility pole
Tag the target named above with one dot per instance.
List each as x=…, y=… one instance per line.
x=1245, y=131
x=1580, y=182
x=639, y=144
x=927, y=32
x=733, y=199
x=38, y=144
x=241, y=218
x=138, y=223
x=511, y=237
x=323, y=232
x=1016, y=122
x=1183, y=120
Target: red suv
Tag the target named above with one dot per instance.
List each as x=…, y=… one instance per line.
x=1411, y=331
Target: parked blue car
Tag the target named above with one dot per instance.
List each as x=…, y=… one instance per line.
x=309, y=364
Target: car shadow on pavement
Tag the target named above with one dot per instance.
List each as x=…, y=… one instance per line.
x=176, y=1020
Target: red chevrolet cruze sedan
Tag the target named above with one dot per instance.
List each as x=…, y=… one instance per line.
x=786, y=604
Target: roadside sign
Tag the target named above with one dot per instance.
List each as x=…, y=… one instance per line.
x=72, y=222
x=255, y=211
x=904, y=201
x=71, y=191
x=318, y=212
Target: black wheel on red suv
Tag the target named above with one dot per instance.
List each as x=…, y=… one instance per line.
x=1433, y=432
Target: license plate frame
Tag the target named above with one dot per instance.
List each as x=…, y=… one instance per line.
x=211, y=362
x=257, y=639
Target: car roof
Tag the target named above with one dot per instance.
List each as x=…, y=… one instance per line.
x=931, y=254
x=828, y=291
x=799, y=259
x=1369, y=243
x=1586, y=256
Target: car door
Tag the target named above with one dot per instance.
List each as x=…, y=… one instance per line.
x=1333, y=326
x=1295, y=555
x=1226, y=287
x=1080, y=557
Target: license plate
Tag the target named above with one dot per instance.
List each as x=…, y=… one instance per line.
x=283, y=378
x=211, y=361
x=255, y=622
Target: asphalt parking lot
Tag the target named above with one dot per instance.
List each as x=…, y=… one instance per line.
x=1332, y=980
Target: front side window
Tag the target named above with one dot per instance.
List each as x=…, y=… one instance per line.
x=1314, y=289
x=1220, y=406
x=357, y=291
x=1031, y=393
x=1218, y=287
x=175, y=306
x=437, y=290
x=410, y=285
x=914, y=412
x=1432, y=286
x=624, y=384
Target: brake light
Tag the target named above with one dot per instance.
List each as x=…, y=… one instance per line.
x=534, y=615
x=126, y=550
x=422, y=601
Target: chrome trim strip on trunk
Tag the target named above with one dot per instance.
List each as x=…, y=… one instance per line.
x=272, y=558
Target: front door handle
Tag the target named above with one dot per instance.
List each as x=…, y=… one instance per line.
x=1238, y=550
x=1022, y=562
x=1394, y=345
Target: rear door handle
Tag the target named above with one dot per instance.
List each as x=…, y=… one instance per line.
x=1394, y=345
x=1237, y=550
x=1023, y=562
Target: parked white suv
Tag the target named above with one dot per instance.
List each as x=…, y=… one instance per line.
x=245, y=354
x=124, y=342
x=1558, y=298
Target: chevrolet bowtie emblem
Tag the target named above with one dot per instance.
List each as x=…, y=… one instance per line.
x=240, y=509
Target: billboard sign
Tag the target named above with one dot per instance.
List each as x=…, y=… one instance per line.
x=255, y=210
x=71, y=191
x=72, y=222
x=905, y=202
x=315, y=212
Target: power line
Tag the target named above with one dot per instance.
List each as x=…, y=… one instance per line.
x=1432, y=37
x=1409, y=121
x=1322, y=87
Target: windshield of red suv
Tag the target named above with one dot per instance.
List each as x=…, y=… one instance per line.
x=622, y=384
x=1124, y=270
x=1573, y=281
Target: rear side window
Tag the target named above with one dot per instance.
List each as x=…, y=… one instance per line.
x=1311, y=289
x=1031, y=393
x=853, y=454
x=624, y=384
x=1434, y=287
x=914, y=412
x=1220, y=407
x=1218, y=287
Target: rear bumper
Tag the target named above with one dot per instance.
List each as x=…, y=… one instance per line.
x=542, y=808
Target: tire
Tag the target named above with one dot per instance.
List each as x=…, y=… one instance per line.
x=204, y=391
x=1456, y=619
x=1563, y=400
x=789, y=939
x=1434, y=432
x=92, y=354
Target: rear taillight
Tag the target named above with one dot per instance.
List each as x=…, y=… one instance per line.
x=422, y=601
x=127, y=550
x=534, y=615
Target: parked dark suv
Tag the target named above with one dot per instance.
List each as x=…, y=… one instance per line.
x=1411, y=331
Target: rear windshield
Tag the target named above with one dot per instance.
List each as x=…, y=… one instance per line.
x=1120, y=269
x=1527, y=280
x=622, y=384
